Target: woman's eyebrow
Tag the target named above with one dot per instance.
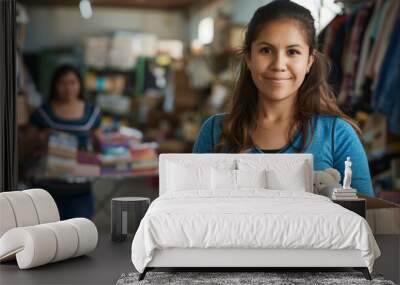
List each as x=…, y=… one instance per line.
x=289, y=46
x=294, y=46
x=264, y=43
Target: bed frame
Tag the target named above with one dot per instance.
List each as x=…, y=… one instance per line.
x=248, y=259
x=260, y=259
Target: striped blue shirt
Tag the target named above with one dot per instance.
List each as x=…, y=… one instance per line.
x=82, y=128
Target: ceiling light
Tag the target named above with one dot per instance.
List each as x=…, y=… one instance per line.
x=86, y=9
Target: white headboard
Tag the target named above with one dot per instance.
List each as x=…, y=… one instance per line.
x=212, y=159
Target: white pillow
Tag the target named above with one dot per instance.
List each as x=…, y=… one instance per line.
x=223, y=179
x=182, y=177
x=280, y=180
x=235, y=179
x=186, y=174
x=282, y=173
x=251, y=179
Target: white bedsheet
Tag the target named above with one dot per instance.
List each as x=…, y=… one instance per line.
x=253, y=218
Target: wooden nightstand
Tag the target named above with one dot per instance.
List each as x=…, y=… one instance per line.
x=355, y=205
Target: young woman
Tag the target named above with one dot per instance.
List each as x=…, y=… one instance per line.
x=281, y=101
x=67, y=111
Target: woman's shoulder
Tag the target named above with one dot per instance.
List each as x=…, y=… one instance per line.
x=336, y=127
x=215, y=120
x=209, y=134
x=93, y=115
x=326, y=119
x=91, y=108
x=333, y=122
x=41, y=112
x=44, y=108
x=218, y=117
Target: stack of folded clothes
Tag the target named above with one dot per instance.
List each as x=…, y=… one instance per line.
x=87, y=164
x=144, y=156
x=61, y=155
x=124, y=153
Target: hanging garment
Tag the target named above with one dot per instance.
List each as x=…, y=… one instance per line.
x=386, y=97
x=383, y=41
x=351, y=60
x=367, y=44
x=334, y=49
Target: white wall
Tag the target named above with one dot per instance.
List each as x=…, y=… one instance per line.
x=60, y=26
x=243, y=10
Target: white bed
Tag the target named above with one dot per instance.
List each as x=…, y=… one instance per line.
x=198, y=223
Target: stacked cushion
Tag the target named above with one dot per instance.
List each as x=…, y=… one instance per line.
x=7, y=218
x=41, y=244
x=26, y=208
x=31, y=231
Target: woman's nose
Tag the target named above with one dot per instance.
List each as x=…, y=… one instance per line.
x=278, y=62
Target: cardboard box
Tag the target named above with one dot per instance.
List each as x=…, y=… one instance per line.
x=383, y=217
x=96, y=51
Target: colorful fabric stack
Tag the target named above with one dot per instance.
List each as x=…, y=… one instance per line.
x=116, y=160
x=61, y=155
x=144, y=157
x=122, y=153
x=88, y=164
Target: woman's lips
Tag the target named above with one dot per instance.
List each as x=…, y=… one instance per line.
x=277, y=80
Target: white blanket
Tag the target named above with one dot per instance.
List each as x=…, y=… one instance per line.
x=254, y=218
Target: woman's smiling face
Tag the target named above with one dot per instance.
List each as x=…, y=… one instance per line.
x=279, y=59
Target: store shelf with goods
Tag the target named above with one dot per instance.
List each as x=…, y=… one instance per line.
x=151, y=92
x=119, y=92
x=110, y=80
x=110, y=89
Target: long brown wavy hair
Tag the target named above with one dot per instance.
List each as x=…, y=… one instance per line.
x=314, y=97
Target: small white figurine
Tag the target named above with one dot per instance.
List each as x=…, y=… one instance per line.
x=347, y=174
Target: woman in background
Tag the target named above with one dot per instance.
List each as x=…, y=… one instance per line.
x=67, y=111
x=282, y=102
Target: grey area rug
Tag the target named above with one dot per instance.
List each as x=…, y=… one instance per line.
x=229, y=278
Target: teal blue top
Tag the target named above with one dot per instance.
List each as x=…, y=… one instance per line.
x=334, y=139
x=82, y=128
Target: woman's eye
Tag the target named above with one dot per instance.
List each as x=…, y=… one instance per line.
x=265, y=50
x=293, y=52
